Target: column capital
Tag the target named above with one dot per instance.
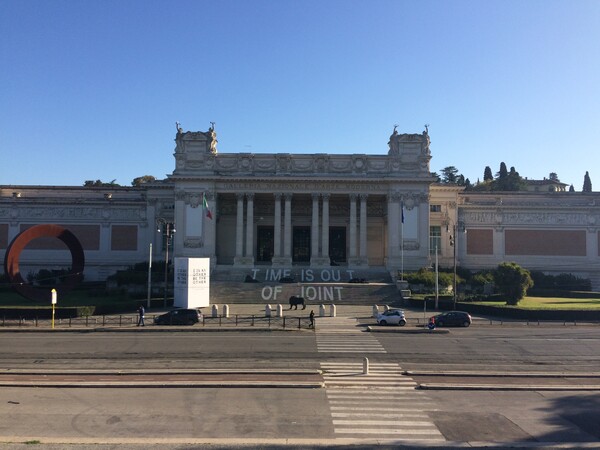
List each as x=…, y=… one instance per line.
x=326, y=196
x=278, y=195
x=250, y=195
x=353, y=196
x=239, y=196
x=364, y=196
x=315, y=196
x=288, y=196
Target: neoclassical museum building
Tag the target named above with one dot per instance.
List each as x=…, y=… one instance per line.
x=377, y=212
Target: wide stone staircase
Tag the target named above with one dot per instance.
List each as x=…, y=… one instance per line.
x=227, y=286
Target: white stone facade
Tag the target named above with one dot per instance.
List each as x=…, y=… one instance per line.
x=309, y=210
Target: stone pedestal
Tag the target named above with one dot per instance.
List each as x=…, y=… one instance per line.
x=281, y=261
x=244, y=261
x=319, y=261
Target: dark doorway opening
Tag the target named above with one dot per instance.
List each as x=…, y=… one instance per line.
x=337, y=244
x=265, y=242
x=301, y=245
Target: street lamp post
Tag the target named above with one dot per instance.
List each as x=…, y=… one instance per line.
x=169, y=230
x=453, y=243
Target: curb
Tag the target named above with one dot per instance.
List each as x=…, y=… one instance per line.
x=506, y=387
x=151, y=329
x=432, y=373
x=410, y=330
x=170, y=384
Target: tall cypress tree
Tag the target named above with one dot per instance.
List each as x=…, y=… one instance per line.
x=487, y=174
x=587, y=183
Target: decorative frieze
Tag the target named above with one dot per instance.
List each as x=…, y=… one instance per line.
x=528, y=218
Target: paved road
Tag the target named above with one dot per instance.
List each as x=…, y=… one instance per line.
x=382, y=406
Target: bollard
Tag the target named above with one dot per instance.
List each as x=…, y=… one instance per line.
x=332, y=311
x=226, y=311
x=214, y=311
x=280, y=311
x=268, y=311
x=375, y=310
x=321, y=310
x=386, y=308
x=365, y=366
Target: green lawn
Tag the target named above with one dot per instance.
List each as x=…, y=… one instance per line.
x=549, y=303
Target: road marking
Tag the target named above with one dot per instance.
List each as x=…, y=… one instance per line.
x=342, y=335
x=383, y=402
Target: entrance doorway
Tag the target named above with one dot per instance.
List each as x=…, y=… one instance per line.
x=301, y=245
x=337, y=244
x=265, y=239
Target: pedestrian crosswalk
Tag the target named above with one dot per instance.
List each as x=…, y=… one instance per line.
x=341, y=335
x=382, y=404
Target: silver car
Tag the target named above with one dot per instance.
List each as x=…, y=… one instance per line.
x=392, y=317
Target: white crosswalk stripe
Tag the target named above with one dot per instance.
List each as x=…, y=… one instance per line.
x=382, y=403
x=342, y=335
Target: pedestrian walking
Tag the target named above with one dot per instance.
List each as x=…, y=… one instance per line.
x=311, y=317
x=431, y=324
x=141, y=312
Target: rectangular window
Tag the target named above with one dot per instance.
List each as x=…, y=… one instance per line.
x=435, y=208
x=435, y=239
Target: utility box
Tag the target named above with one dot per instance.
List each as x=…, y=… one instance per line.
x=192, y=283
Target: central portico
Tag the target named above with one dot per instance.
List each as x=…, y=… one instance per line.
x=315, y=210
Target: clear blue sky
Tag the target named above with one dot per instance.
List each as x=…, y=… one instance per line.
x=92, y=89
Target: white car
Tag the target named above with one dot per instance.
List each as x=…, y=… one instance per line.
x=392, y=317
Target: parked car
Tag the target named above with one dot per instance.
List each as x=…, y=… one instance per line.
x=453, y=318
x=392, y=317
x=179, y=317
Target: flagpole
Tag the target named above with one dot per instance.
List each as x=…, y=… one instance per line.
x=402, y=242
x=402, y=251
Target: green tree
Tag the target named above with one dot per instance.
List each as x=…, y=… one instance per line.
x=436, y=177
x=512, y=281
x=142, y=180
x=99, y=183
x=553, y=177
x=450, y=175
x=487, y=174
x=587, y=182
x=503, y=172
x=571, y=188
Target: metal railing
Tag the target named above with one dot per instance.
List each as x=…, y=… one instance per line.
x=129, y=320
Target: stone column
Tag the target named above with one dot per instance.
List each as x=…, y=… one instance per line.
x=363, y=229
x=592, y=244
x=277, y=227
x=314, y=229
x=393, y=231
x=325, y=230
x=250, y=226
x=287, y=227
x=353, y=226
x=210, y=228
x=178, y=222
x=239, y=228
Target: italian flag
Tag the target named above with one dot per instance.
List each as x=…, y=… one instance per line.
x=205, y=206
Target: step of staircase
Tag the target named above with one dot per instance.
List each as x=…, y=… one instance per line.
x=227, y=292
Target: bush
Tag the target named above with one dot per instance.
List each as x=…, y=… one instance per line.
x=512, y=281
x=563, y=281
x=427, y=278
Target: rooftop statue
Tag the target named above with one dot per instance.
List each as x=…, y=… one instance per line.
x=213, y=138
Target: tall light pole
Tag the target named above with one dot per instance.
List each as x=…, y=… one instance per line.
x=169, y=230
x=453, y=243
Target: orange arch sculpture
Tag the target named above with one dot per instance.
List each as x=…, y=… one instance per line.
x=13, y=253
